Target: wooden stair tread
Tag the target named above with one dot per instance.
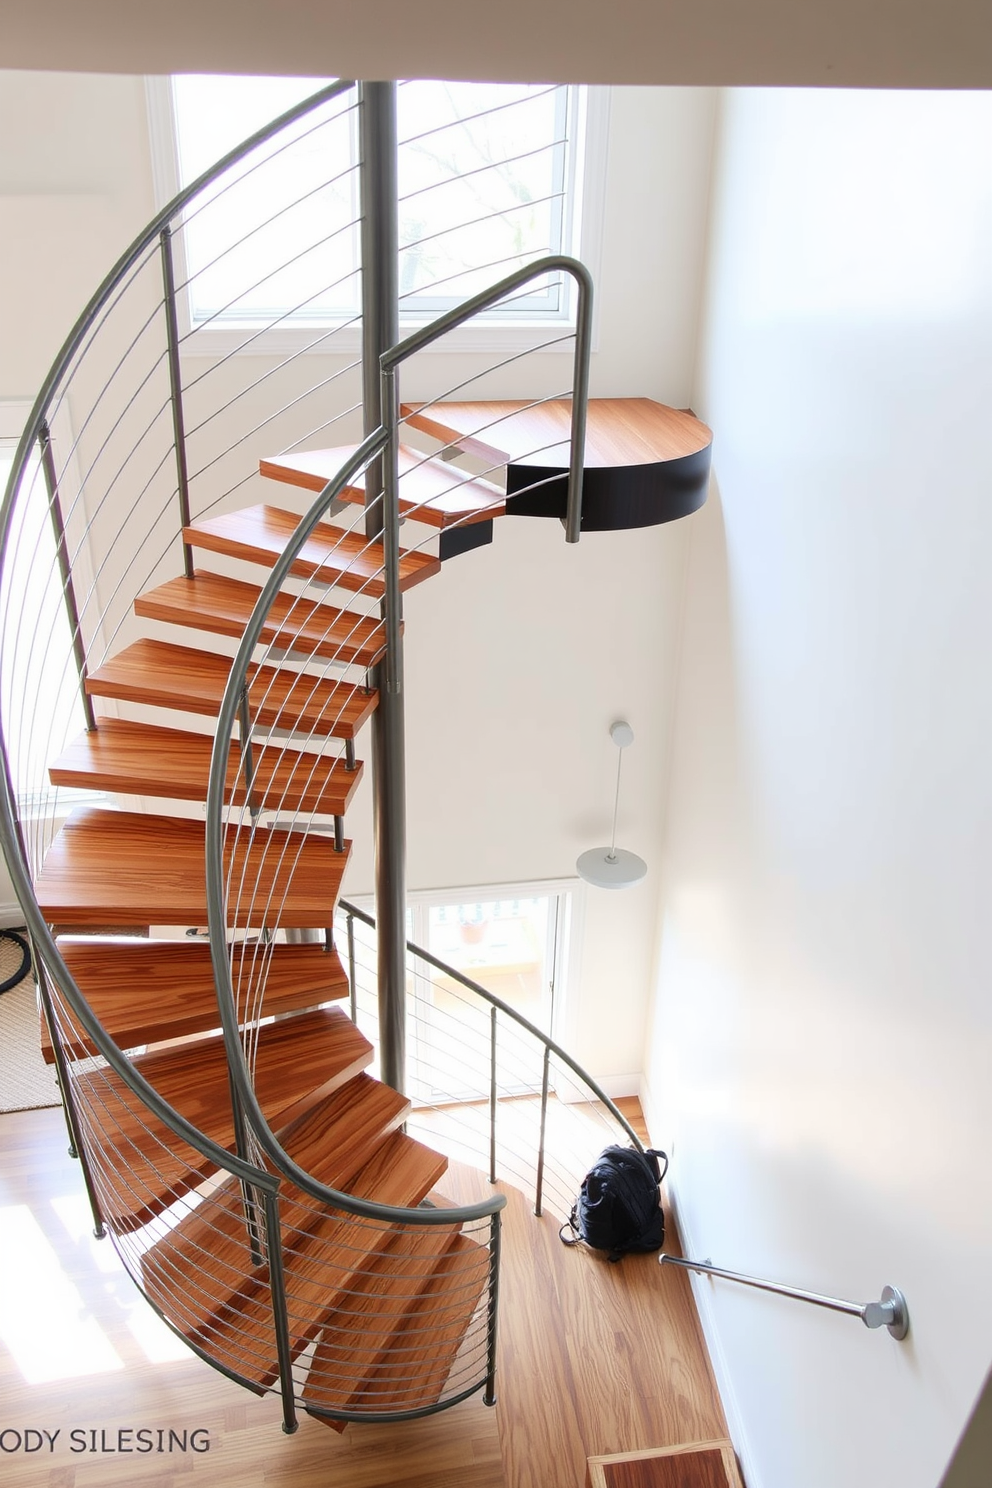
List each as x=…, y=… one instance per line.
x=391, y=1343
x=300, y=1059
x=223, y=606
x=143, y=759
x=259, y=534
x=145, y=990
x=193, y=681
x=126, y=868
x=324, y=1263
x=430, y=491
x=619, y=431
x=204, y=1264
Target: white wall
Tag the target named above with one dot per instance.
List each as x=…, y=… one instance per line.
x=519, y=656
x=821, y=1050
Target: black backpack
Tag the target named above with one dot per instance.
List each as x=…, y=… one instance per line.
x=619, y=1207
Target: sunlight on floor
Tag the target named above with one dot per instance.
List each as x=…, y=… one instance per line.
x=43, y=1321
x=157, y=1342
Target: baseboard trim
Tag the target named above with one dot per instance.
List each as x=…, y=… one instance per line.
x=701, y=1291
x=10, y=916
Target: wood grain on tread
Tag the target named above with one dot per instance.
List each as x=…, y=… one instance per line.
x=223, y=606
x=193, y=681
x=413, y=1360
x=619, y=431
x=125, y=868
x=142, y=759
x=323, y=1263
x=204, y=1265
x=430, y=491
x=360, y=1330
x=259, y=534
x=146, y=990
x=300, y=1059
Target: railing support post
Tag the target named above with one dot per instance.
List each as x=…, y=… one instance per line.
x=280, y=1316
x=495, y=1233
x=539, y=1184
x=65, y=568
x=176, y=389
x=492, y=1095
x=352, y=983
x=76, y=1145
x=380, y=331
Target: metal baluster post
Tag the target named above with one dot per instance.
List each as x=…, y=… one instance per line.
x=76, y=1146
x=176, y=388
x=65, y=571
x=545, y=1081
x=492, y=1095
x=380, y=331
x=351, y=968
x=495, y=1234
x=280, y=1317
x=248, y=1199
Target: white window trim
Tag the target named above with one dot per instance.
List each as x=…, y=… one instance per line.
x=567, y=970
x=518, y=336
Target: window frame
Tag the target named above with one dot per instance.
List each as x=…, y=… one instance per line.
x=583, y=219
x=568, y=935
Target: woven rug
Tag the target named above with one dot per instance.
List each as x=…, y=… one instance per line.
x=26, y=1081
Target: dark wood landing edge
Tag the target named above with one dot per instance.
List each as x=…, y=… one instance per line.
x=614, y=497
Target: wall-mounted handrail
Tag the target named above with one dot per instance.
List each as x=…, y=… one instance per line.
x=890, y=1312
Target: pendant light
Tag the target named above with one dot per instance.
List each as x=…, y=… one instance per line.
x=612, y=867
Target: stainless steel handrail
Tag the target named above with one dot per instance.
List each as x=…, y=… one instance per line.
x=558, y=262
x=10, y=837
x=104, y=1044
x=216, y=912
x=890, y=1312
x=510, y=1012
x=127, y=260
x=374, y=445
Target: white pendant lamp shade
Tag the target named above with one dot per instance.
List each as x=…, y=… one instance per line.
x=613, y=867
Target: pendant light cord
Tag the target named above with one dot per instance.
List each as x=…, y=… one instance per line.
x=611, y=856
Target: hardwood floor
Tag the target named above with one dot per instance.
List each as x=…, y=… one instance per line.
x=594, y=1359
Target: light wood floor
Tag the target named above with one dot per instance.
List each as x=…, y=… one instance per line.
x=593, y=1358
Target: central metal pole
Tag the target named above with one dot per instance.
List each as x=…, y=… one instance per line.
x=380, y=331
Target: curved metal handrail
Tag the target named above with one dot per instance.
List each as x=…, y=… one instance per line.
x=428, y=334
x=380, y=440
x=364, y=1208
x=10, y=838
x=105, y=1045
x=127, y=260
x=510, y=1012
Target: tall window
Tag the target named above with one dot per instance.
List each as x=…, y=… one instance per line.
x=490, y=178
x=515, y=941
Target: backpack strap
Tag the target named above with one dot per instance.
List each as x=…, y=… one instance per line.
x=571, y=1224
x=654, y=1153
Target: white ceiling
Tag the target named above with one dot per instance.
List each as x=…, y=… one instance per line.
x=835, y=43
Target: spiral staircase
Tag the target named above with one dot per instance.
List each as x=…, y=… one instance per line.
x=239, y=1102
